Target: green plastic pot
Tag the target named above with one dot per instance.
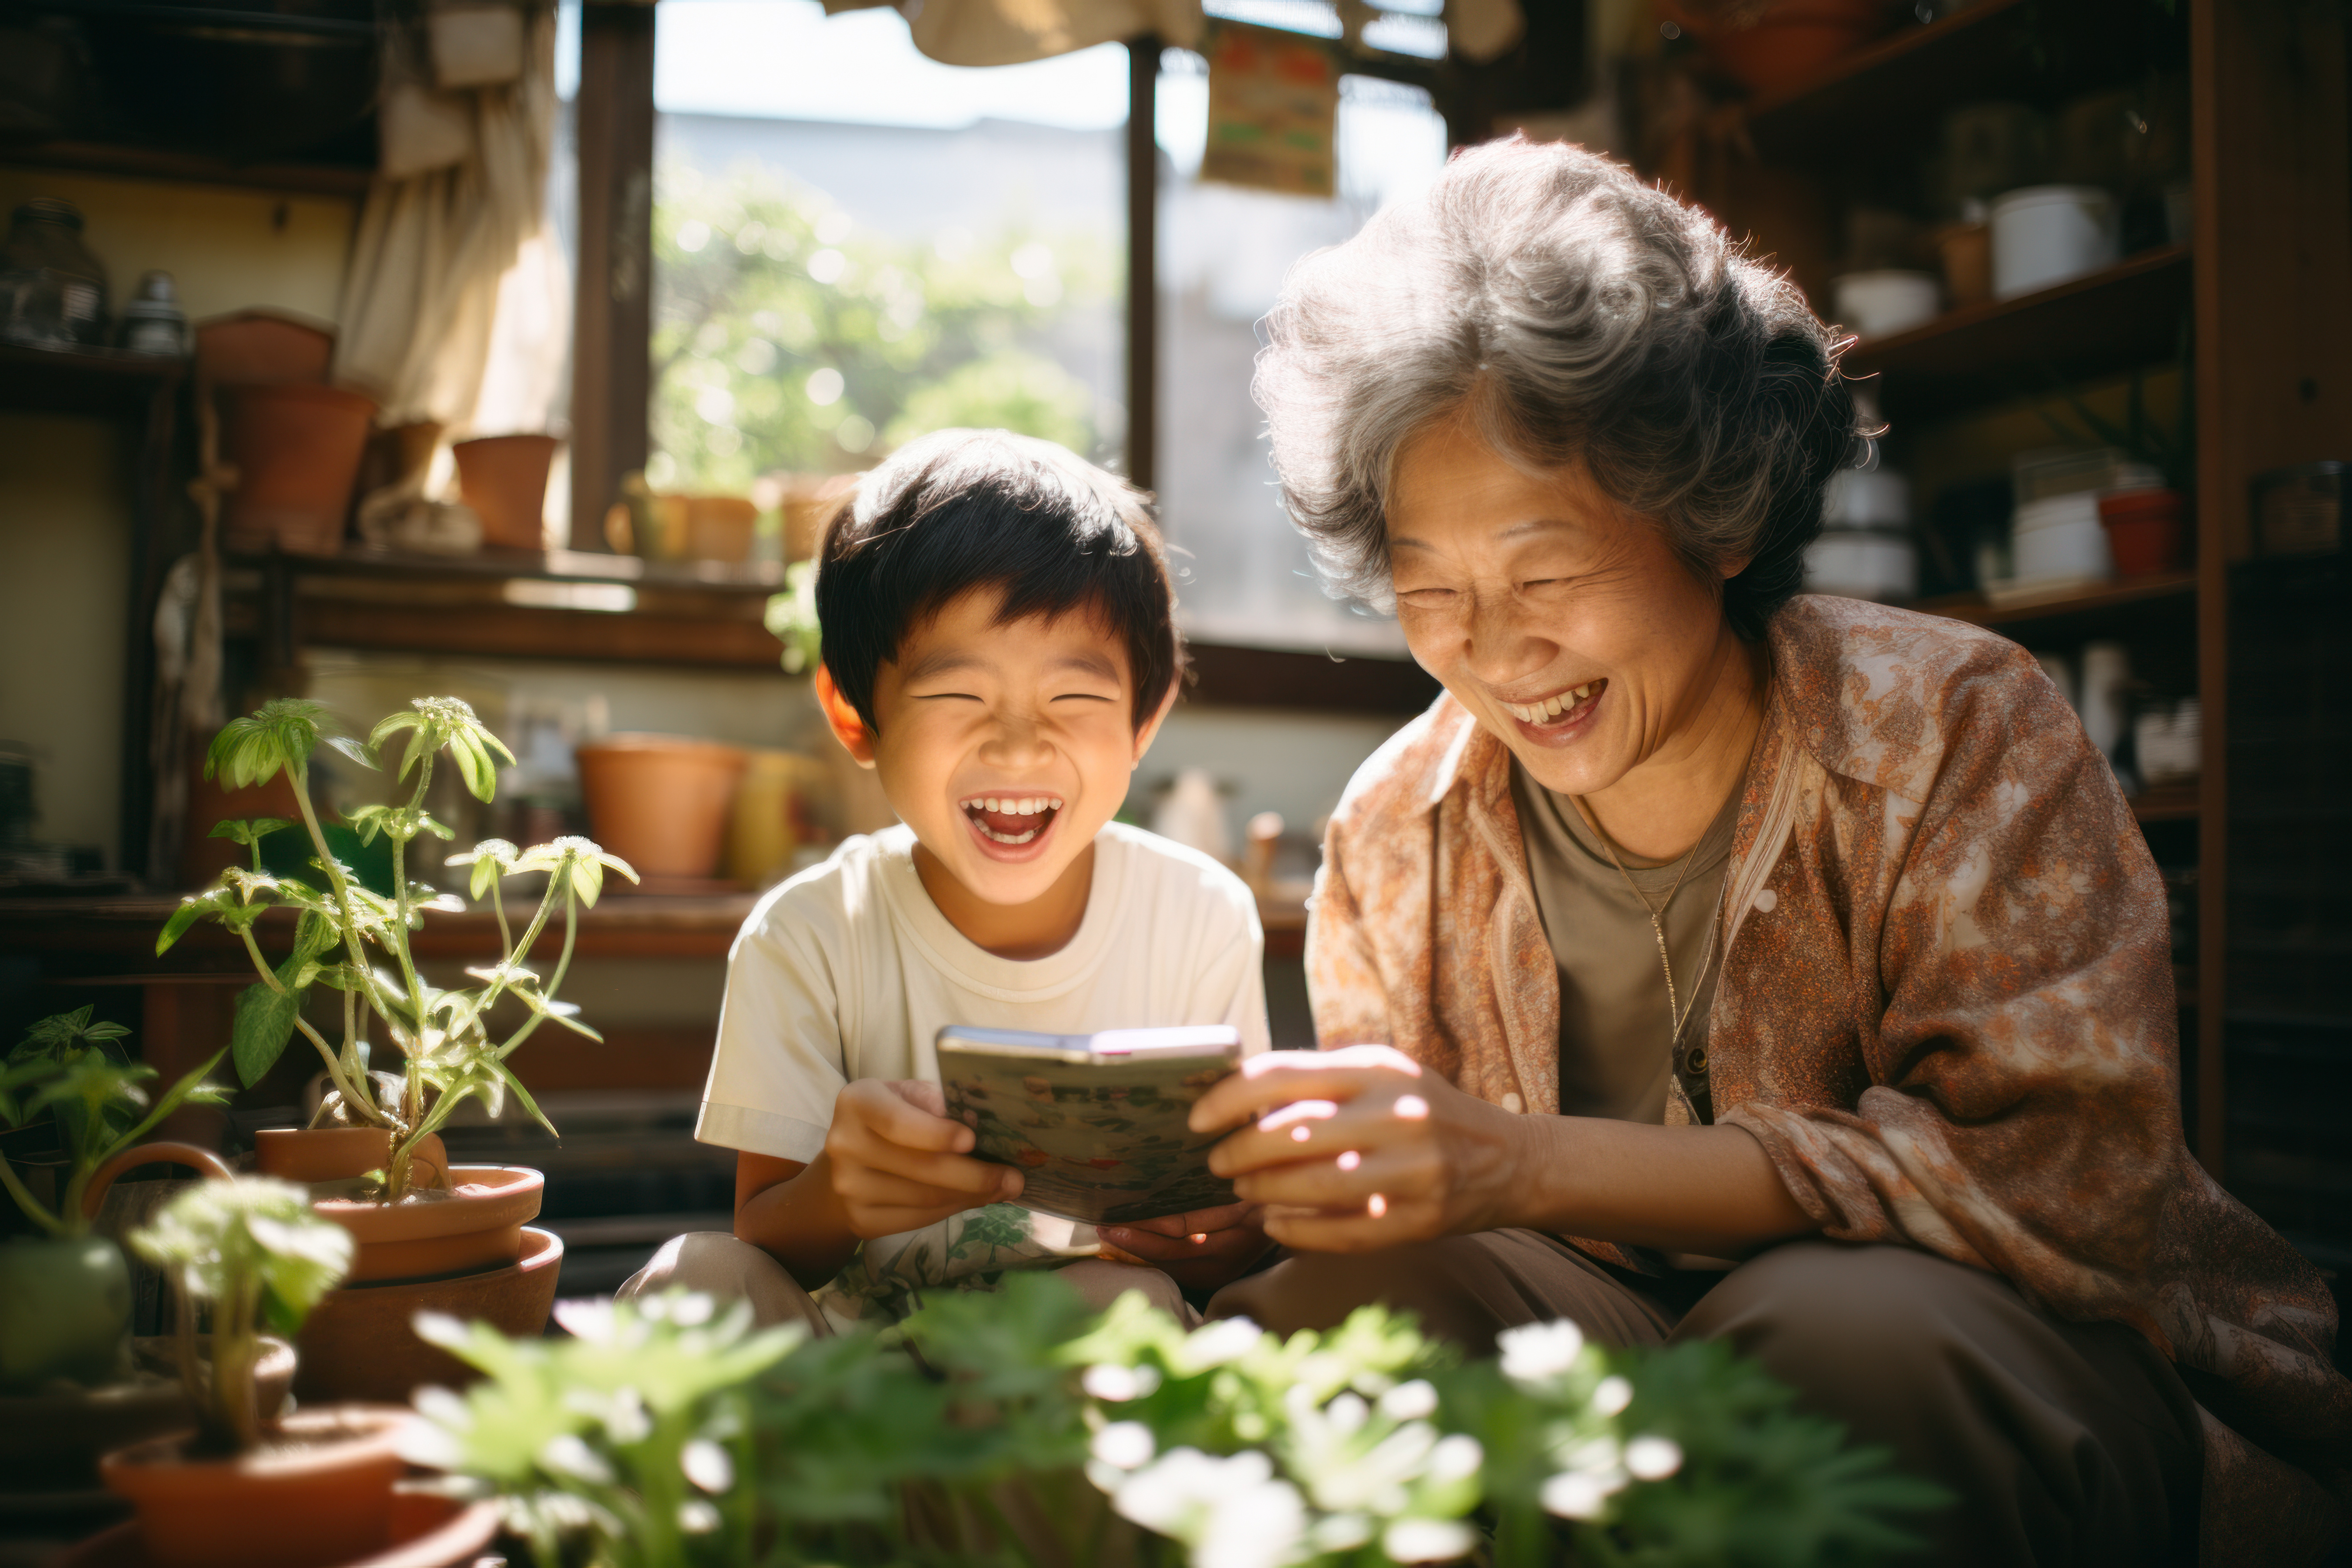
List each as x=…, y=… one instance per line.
x=65, y=1312
x=65, y=1301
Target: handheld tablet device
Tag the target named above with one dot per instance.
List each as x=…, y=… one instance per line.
x=1094, y=1123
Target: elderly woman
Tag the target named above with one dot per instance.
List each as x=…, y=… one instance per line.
x=1709, y=962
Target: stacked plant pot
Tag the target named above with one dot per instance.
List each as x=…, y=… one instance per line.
x=460, y=1243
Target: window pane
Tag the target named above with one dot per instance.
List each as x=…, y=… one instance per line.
x=1223, y=254
x=854, y=245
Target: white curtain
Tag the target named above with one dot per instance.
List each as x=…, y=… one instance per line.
x=422, y=299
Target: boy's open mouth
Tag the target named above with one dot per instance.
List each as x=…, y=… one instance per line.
x=1012, y=819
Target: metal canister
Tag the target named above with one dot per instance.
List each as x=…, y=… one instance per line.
x=2299, y=511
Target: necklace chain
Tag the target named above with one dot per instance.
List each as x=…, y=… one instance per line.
x=1677, y=1012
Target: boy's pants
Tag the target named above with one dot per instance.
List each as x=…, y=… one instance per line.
x=717, y=1263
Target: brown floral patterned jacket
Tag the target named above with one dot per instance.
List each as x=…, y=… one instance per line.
x=1946, y=1009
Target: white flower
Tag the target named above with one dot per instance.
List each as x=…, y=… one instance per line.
x=1228, y=1339
x=1574, y=1494
x=1456, y=1458
x=1653, y=1458
x=1341, y=1533
x=1231, y=1512
x=707, y=1465
x=697, y=1517
x=567, y=1456
x=1428, y=1540
x=1410, y=1401
x=1118, y=1383
x=1124, y=1443
x=1347, y=1413
x=1538, y=1353
x=1611, y=1396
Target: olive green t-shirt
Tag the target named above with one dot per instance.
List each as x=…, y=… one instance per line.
x=1615, y=1059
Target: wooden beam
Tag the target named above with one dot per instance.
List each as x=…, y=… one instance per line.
x=2274, y=368
x=611, y=345
x=1265, y=678
x=1142, y=258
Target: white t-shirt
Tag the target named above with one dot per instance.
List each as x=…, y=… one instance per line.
x=850, y=971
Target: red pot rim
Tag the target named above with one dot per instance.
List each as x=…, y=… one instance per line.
x=515, y=1194
x=2143, y=506
x=154, y=1466
x=641, y=742
x=540, y=1250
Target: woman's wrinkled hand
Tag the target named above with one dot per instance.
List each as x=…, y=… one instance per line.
x=1356, y=1149
x=1201, y=1250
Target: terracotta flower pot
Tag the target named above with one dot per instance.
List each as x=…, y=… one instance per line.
x=504, y=480
x=297, y=450
x=359, y=1344
x=428, y=1532
x=659, y=802
x=476, y=1223
x=318, y=1492
x=1780, y=43
x=339, y=1154
x=252, y=347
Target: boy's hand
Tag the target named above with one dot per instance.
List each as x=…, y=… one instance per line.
x=899, y=1164
x=1201, y=1250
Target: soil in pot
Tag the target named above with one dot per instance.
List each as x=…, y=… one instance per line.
x=359, y=1344
x=340, y=1154
x=318, y=1491
x=475, y=1223
x=660, y=801
x=504, y=480
x=297, y=449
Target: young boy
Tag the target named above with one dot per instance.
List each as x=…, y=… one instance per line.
x=1000, y=647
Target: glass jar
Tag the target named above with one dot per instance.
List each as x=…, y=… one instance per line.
x=53, y=291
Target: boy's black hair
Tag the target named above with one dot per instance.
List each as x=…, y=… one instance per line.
x=960, y=509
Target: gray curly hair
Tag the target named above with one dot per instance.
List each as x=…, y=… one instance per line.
x=1569, y=312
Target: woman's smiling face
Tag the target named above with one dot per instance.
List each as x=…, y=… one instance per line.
x=1567, y=625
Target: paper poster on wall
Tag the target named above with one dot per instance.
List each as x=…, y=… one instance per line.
x=1273, y=104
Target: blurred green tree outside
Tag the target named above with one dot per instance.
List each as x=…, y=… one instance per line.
x=786, y=339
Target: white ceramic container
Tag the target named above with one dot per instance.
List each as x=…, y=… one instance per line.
x=1854, y=564
x=2044, y=235
x=2060, y=540
x=1867, y=498
x=1881, y=304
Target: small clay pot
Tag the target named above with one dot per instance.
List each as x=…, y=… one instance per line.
x=2146, y=530
x=319, y=1491
x=721, y=527
x=1781, y=43
x=504, y=480
x=255, y=348
x=476, y=1224
x=660, y=801
x=359, y=1342
x=297, y=450
x=340, y=1154
x=428, y=1532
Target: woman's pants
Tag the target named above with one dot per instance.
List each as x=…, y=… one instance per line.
x=2067, y=1443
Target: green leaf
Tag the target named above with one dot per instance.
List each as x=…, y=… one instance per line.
x=264, y=1022
x=247, y=833
x=279, y=736
x=192, y=908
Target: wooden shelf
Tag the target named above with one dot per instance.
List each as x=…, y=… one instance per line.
x=289, y=177
x=2127, y=315
x=1882, y=106
x=106, y=382
x=2157, y=590
x=2167, y=803
x=583, y=605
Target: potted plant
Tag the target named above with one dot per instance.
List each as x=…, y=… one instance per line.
x=371, y=1154
x=1012, y=1427
x=64, y=1295
x=313, y=1488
